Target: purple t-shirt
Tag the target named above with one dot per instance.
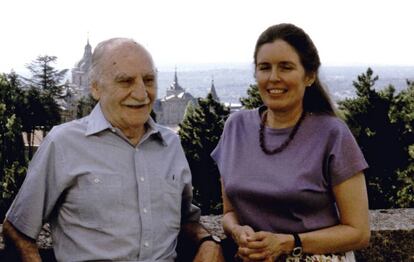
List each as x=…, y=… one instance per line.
x=290, y=191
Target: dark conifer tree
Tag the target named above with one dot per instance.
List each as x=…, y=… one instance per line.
x=253, y=99
x=200, y=132
x=45, y=77
x=368, y=116
x=44, y=89
x=12, y=157
x=85, y=106
x=402, y=114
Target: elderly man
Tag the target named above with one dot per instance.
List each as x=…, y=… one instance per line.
x=113, y=185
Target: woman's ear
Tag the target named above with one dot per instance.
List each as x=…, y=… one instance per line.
x=310, y=79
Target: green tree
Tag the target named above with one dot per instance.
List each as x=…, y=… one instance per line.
x=12, y=159
x=402, y=114
x=44, y=89
x=200, y=132
x=45, y=77
x=32, y=117
x=405, y=194
x=253, y=99
x=85, y=106
x=12, y=100
x=368, y=116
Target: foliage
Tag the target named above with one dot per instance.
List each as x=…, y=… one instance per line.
x=45, y=77
x=253, y=99
x=44, y=89
x=405, y=194
x=402, y=114
x=200, y=132
x=378, y=122
x=11, y=179
x=85, y=106
x=12, y=159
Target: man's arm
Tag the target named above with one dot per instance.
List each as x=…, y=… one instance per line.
x=208, y=250
x=26, y=246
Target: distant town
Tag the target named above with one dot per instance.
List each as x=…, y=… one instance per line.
x=174, y=96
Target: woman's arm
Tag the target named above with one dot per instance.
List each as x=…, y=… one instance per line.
x=231, y=223
x=353, y=232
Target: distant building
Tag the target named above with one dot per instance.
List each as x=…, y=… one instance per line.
x=80, y=73
x=232, y=106
x=171, y=108
x=213, y=91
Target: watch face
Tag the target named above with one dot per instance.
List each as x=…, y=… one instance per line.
x=216, y=239
x=297, y=251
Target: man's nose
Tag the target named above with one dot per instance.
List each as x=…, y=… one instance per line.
x=139, y=91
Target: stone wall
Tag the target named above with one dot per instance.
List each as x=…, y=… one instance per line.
x=392, y=237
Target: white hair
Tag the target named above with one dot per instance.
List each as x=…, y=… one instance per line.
x=102, y=49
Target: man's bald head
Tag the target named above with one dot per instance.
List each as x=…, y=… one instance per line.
x=107, y=49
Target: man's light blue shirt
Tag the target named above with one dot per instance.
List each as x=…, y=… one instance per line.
x=105, y=198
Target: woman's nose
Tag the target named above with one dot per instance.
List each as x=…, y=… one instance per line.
x=274, y=74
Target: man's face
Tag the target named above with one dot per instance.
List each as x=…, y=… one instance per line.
x=127, y=86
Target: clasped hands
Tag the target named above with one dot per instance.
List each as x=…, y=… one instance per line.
x=259, y=246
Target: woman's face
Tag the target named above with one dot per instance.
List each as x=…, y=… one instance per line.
x=280, y=77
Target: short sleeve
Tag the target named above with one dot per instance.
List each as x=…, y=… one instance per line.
x=345, y=157
x=217, y=153
x=39, y=191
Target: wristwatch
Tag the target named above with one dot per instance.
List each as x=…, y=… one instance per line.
x=297, y=250
x=213, y=238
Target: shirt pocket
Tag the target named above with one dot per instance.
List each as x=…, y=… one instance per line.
x=172, y=194
x=100, y=199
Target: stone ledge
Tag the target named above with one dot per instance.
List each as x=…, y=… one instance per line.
x=392, y=235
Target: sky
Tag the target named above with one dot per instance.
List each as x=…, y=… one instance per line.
x=179, y=32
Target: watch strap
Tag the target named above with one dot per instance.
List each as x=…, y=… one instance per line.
x=213, y=238
x=297, y=250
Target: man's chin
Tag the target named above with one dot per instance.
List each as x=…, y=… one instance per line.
x=138, y=123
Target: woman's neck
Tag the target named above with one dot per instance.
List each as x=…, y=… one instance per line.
x=283, y=119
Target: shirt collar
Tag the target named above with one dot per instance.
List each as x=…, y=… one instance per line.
x=154, y=130
x=98, y=123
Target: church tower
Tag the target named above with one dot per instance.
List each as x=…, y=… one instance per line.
x=213, y=91
x=175, y=88
x=170, y=109
x=80, y=73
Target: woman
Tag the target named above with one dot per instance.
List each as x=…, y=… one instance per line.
x=291, y=170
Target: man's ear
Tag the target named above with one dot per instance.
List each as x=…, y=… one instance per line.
x=96, y=91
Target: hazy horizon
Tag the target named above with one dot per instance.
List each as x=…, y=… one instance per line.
x=216, y=66
x=182, y=32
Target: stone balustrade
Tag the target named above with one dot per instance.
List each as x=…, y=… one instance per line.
x=392, y=237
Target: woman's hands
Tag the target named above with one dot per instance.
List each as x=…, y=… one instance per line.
x=240, y=234
x=261, y=246
x=254, y=246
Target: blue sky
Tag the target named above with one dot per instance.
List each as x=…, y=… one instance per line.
x=180, y=32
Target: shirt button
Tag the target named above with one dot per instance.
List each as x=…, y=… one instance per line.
x=146, y=244
x=96, y=180
x=142, y=179
x=145, y=210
